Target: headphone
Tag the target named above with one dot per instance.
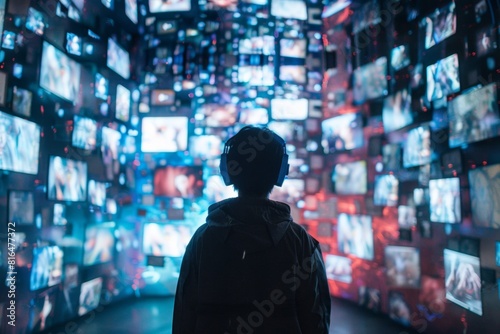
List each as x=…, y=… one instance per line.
x=284, y=167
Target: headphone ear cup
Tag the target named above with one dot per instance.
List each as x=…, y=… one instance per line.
x=284, y=169
x=223, y=170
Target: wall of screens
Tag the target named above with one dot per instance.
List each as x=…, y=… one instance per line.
x=430, y=147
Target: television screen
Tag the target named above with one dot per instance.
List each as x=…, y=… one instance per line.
x=445, y=200
x=9, y=40
x=35, y=21
x=284, y=109
x=161, y=6
x=78, y=4
x=451, y=163
x=21, y=207
x=257, y=45
x=129, y=147
x=407, y=216
x=118, y=59
x=370, y=81
x=355, y=235
x=256, y=75
x=21, y=101
x=398, y=308
x=90, y=296
x=110, y=143
x=59, y=74
x=122, y=103
x=335, y=7
x=20, y=144
x=99, y=244
x=463, y=280
x=367, y=15
x=417, y=148
x=397, y=111
x=166, y=239
x=441, y=24
x=293, y=73
x=338, y=268
x=162, y=97
x=166, y=27
x=215, y=115
x=370, y=298
x=131, y=10
x=400, y=57
x=47, y=267
x=67, y=180
x=350, y=178
x=164, y=134
x=484, y=195
x=109, y=3
x=179, y=181
x=97, y=193
x=386, y=190
x=255, y=116
x=67, y=307
x=291, y=192
x=432, y=294
x=391, y=157
x=111, y=206
x=443, y=78
x=293, y=48
x=474, y=116
x=420, y=196
x=230, y=5
x=289, y=9
x=101, y=87
x=84, y=133
x=486, y=41
x=42, y=310
x=59, y=214
x=403, y=266
x=216, y=191
x=74, y=14
x=342, y=133
x=74, y=44
x=416, y=76
x=205, y=147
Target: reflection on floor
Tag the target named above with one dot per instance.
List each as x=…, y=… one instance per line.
x=154, y=316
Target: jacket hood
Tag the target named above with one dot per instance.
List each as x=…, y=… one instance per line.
x=263, y=221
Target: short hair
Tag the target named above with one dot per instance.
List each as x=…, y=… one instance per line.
x=257, y=154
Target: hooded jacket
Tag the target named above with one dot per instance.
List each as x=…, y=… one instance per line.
x=251, y=270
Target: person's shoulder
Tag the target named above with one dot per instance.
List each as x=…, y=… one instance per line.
x=305, y=238
x=297, y=228
x=200, y=230
x=196, y=239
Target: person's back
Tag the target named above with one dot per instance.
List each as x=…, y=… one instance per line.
x=251, y=269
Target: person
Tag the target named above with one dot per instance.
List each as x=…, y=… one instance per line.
x=250, y=268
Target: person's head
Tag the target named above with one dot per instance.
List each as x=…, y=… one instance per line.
x=254, y=159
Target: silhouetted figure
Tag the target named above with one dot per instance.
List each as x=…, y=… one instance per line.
x=250, y=268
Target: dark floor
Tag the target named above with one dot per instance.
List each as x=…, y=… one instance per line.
x=154, y=316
